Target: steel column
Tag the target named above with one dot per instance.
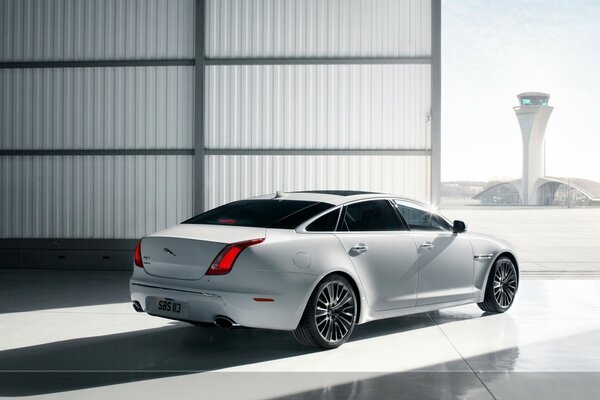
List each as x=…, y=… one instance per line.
x=436, y=100
x=199, y=109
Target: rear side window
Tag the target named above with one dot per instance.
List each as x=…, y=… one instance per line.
x=270, y=213
x=295, y=219
x=326, y=223
x=422, y=220
x=376, y=215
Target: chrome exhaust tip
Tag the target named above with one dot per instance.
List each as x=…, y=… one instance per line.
x=137, y=306
x=225, y=322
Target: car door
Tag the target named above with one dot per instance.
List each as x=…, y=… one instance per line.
x=445, y=259
x=382, y=251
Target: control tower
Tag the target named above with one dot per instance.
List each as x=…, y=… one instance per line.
x=533, y=113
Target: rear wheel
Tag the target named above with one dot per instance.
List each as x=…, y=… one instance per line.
x=330, y=315
x=501, y=286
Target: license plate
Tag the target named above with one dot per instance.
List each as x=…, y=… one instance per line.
x=168, y=307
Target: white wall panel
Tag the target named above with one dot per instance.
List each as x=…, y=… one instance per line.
x=36, y=30
x=97, y=108
x=230, y=178
x=318, y=106
x=93, y=196
x=318, y=28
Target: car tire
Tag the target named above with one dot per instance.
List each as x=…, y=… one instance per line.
x=501, y=287
x=330, y=314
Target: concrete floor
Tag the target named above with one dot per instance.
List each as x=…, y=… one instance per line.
x=73, y=335
x=550, y=242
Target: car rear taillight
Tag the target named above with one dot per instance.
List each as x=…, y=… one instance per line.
x=226, y=258
x=138, y=254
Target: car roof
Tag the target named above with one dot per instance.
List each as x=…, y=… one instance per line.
x=335, y=197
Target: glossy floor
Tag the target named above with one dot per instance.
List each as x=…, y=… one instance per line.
x=72, y=335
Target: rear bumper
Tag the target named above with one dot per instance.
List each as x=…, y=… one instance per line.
x=201, y=307
x=283, y=313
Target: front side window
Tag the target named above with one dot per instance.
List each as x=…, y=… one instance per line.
x=375, y=215
x=423, y=220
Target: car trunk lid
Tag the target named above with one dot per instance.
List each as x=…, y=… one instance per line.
x=187, y=250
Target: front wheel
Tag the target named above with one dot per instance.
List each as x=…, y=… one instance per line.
x=330, y=314
x=501, y=287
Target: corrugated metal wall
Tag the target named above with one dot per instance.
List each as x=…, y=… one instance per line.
x=95, y=108
x=317, y=106
x=329, y=106
x=53, y=30
x=236, y=177
x=100, y=197
x=318, y=28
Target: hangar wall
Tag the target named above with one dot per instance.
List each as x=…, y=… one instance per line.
x=112, y=126
x=96, y=115
x=299, y=84
x=318, y=28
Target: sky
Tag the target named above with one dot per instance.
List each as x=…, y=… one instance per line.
x=492, y=50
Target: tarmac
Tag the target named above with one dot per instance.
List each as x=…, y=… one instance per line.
x=550, y=242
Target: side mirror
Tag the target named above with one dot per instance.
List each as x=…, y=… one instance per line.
x=458, y=226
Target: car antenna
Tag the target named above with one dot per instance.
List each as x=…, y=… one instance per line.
x=278, y=194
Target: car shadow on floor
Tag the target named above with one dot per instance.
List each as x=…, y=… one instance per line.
x=177, y=349
x=405, y=323
x=390, y=326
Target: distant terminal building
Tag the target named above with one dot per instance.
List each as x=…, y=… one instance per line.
x=535, y=188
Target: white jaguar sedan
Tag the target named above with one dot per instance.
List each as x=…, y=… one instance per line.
x=317, y=263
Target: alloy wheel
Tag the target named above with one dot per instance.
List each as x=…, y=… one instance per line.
x=505, y=283
x=335, y=312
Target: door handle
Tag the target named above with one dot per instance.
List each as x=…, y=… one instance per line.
x=427, y=245
x=359, y=248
